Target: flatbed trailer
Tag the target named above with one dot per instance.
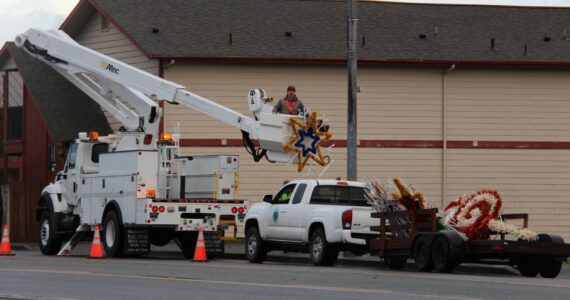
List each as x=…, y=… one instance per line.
x=444, y=250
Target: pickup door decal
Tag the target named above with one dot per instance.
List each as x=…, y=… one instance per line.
x=275, y=214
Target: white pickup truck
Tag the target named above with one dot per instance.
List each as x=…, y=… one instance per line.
x=312, y=216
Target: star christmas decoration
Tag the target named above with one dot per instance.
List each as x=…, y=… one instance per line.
x=307, y=141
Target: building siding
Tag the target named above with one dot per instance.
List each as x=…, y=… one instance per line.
x=393, y=103
x=406, y=104
x=418, y=166
x=114, y=44
x=508, y=105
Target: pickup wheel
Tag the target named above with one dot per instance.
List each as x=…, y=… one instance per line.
x=49, y=244
x=254, y=249
x=422, y=255
x=322, y=252
x=443, y=261
x=528, y=269
x=112, y=235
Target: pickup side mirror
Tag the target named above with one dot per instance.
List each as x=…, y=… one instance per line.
x=268, y=198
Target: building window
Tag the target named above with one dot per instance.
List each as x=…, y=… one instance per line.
x=15, y=106
x=105, y=24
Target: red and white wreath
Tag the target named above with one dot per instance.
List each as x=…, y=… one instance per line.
x=471, y=214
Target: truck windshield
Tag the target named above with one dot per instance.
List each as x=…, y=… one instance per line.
x=339, y=195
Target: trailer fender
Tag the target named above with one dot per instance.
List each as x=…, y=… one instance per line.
x=552, y=238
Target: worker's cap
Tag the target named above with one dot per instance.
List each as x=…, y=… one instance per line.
x=291, y=88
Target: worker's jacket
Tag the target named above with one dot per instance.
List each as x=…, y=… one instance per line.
x=282, y=107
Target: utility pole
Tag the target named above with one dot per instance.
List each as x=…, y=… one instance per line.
x=351, y=140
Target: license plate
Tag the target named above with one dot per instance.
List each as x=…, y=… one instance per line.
x=241, y=216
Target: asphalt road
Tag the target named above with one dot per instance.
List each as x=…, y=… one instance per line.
x=166, y=275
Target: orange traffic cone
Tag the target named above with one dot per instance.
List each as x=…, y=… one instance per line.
x=5, y=246
x=96, y=249
x=200, y=252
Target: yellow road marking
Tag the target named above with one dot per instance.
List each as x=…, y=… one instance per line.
x=271, y=285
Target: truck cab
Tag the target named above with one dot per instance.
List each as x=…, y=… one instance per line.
x=82, y=158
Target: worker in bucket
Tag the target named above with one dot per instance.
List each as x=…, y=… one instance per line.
x=290, y=104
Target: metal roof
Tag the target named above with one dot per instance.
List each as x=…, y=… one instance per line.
x=315, y=30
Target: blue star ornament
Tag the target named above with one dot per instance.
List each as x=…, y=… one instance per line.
x=307, y=134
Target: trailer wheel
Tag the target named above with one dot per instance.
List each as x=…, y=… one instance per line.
x=422, y=255
x=395, y=262
x=254, y=249
x=49, y=244
x=443, y=261
x=112, y=235
x=528, y=269
x=322, y=252
x=550, y=267
x=187, y=243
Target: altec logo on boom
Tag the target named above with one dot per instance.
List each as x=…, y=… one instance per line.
x=109, y=67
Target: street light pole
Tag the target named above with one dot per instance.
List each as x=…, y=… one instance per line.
x=351, y=140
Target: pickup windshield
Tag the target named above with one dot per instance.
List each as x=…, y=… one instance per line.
x=339, y=195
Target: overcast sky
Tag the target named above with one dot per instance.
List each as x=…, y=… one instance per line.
x=16, y=16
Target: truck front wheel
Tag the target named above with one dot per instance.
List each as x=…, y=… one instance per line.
x=322, y=252
x=49, y=244
x=254, y=249
x=112, y=236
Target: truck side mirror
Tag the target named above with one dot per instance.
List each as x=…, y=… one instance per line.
x=268, y=198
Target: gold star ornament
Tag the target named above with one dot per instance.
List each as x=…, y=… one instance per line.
x=307, y=141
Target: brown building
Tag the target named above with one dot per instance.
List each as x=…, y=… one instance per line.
x=41, y=114
x=453, y=98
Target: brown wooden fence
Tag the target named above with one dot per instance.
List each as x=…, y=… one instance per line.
x=22, y=202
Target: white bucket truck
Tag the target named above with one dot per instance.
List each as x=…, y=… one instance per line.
x=133, y=182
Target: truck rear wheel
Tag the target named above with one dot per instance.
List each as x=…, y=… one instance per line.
x=49, y=244
x=254, y=249
x=322, y=252
x=188, y=243
x=422, y=255
x=112, y=235
x=443, y=261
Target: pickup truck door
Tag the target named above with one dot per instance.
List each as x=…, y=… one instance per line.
x=278, y=212
x=291, y=215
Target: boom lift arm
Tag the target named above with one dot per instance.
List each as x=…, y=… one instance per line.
x=108, y=81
